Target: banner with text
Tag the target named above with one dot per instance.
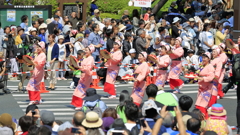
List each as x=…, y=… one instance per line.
x=142, y=3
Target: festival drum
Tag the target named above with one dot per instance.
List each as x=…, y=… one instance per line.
x=191, y=75
x=73, y=62
x=105, y=54
x=27, y=59
x=152, y=58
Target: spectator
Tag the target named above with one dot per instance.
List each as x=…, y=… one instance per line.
x=175, y=32
x=25, y=122
x=142, y=43
x=85, y=40
x=219, y=37
x=209, y=133
x=92, y=99
x=24, y=23
x=124, y=99
x=168, y=122
x=47, y=120
x=131, y=112
x=136, y=18
x=193, y=59
x=33, y=111
x=217, y=120
x=93, y=124
x=172, y=7
x=118, y=124
x=58, y=13
x=42, y=32
x=44, y=130
x=110, y=39
x=78, y=118
x=185, y=103
x=78, y=44
x=74, y=18
x=206, y=38
x=193, y=126
x=32, y=130
x=107, y=122
x=110, y=112
x=201, y=117
x=18, y=39
x=52, y=50
x=7, y=124
x=96, y=17
x=93, y=7
x=89, y=25
x=186, y=36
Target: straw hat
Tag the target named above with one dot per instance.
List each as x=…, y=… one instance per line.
x=121, y=27
x=217, y=110
x=92, y=120
x=43, y=26
x=48, y=21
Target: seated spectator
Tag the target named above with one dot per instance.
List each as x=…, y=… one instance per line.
x=151, y=92
x=6, y=122
x=47, y=120
x=25, y=122
x=167, y=122
x=44, y=130
x=107, y=122
x=110, y=112
x=93, y=124
x=93, y=100
x=123, y=100
x=166, y=98
x=185, y=103
x=33, y=111
x=217, y=120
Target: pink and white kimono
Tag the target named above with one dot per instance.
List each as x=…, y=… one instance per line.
x=85, y=80
x=112, y=72
x=164, y=62
x=140, y=85
x=217, y=64
x=176, y=68
x=33, y=86
x=223, y=57
x=205, y=88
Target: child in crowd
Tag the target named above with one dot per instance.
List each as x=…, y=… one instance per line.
x=146, y=16
x=62, y=56
x=78, y=44
x=77, y=73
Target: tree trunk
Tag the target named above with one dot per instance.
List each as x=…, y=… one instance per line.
x=158, y=6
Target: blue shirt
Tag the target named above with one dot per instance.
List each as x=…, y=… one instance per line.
x=24, y=26
x=177, y=132
x=151, y=123
x=95, y=40
x=42, y=36
x=68, y=51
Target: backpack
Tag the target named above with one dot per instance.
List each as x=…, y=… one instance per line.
x=95, y=109
x=136, y=129
x=236, y=67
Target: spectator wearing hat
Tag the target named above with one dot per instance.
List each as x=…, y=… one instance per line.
x=42, y=32
x=33, y=86
x=96, y=18
x=175, y=24
x=7, y=124
x=205, y=78
x=219, y=36
x=129, y=28
x=93, y=7
x=186, y=36
x=217, y=120
x=85, y=40
x=93, y=124
x=33, y=33
x=118, y=124
x=58, y=13
x=47, y=119
x=78, y=44
x=92, y=99
x=129, y=59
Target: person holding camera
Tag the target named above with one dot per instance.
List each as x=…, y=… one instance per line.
x=33, y=86
x=2, y=71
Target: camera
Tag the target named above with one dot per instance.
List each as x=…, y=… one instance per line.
x=33, y=113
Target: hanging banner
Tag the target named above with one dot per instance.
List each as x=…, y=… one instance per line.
x=142, y=3
x=11, y=15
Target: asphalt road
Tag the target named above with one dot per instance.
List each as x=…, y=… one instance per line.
x=59, y=100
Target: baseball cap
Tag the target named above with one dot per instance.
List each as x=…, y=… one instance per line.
x=56, y=16
x=132, y=51
x=87, y=32
x=47, y=117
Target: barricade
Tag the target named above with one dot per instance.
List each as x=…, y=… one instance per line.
x=96, y=80
x=42, y=87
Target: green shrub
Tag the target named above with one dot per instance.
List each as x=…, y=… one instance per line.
x=111, y=6
x=110, y=15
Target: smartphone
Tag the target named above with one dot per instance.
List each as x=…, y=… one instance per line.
x=75, y=130
x=170, y=108
x=142, y=122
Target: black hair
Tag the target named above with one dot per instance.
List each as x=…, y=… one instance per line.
x=209, y=133
x=127, y=21
x=59, y=122
x=31, y=108
x=131, y=111
x=32, y=130
x=48, y=124
x=127, y=34
x=125, y=16
x=34, y=22
x=151, y=15
x=140, y=22
x=24, y=18
x=80, y=25
x=94, y=26
x=109, y=32
x=160, y=29
x=67, y=22
x=89, y=22
x=123, y=98
x=6, y=28
x=185, y=102
x=135, y=13
x=79, y=52
x=25, y=122
x=56, y=11
x=151, y=90
x=198, y=113
x=40, y=21
x=219, y=25
x=113, y=20
x=43, y=130
x=193, y=125
x=203, y=8
x=189, y=11
x=205, y=26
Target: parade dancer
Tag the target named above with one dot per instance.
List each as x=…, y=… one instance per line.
x=33, y=86
x=176, y=66
x=163, y=63
x=112, y=65
x=205, y=79
x=86, y=78
x=140, y=75
x=217, y=64
x=223, y=57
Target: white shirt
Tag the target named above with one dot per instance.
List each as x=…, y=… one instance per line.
x=194, y=60
x=62, y=54
x=206, y=36
x=129, y=126
x=77, y=46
